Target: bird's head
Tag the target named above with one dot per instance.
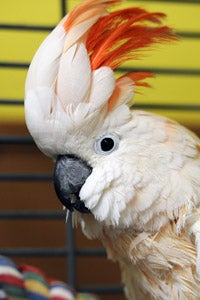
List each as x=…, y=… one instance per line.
x=78, y=112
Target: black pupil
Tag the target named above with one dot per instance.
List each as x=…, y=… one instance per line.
x=107, y=144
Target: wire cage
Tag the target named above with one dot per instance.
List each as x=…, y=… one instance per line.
x=32, y=222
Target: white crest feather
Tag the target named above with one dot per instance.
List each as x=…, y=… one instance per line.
x=74, y=75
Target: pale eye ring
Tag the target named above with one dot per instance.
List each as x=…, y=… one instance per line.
x=106, y=144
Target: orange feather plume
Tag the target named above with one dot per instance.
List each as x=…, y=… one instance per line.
x=121, y=35
x=86, y=10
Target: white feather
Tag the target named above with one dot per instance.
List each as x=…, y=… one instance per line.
x=77, y=31
x=44, y=66
x=103, y=84
x=74, y=75
x=192, y=225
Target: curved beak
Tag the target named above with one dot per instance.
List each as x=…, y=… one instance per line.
x=70, y=174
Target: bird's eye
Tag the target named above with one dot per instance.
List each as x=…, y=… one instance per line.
x=106, y=144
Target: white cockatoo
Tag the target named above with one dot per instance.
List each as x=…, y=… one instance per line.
x=131, y=178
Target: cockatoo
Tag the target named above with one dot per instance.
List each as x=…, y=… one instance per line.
x=131, y=178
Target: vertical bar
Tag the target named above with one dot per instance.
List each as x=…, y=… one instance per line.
x=71, y=260
x=63, y=4
x=71, y=266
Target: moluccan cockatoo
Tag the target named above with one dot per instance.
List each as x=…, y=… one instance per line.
x=131, y=178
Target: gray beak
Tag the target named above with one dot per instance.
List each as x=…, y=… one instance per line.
x=70, y=174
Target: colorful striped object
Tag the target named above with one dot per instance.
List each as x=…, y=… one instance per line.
x=28, y=282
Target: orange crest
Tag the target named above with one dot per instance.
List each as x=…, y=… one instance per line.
x=121, y=35
x=116, y=37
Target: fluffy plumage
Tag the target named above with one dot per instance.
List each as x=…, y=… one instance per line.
x=143, y=192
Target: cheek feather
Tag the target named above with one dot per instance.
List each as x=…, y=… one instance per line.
x=107, y=191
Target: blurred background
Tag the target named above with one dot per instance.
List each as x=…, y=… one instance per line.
x=32, y=223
